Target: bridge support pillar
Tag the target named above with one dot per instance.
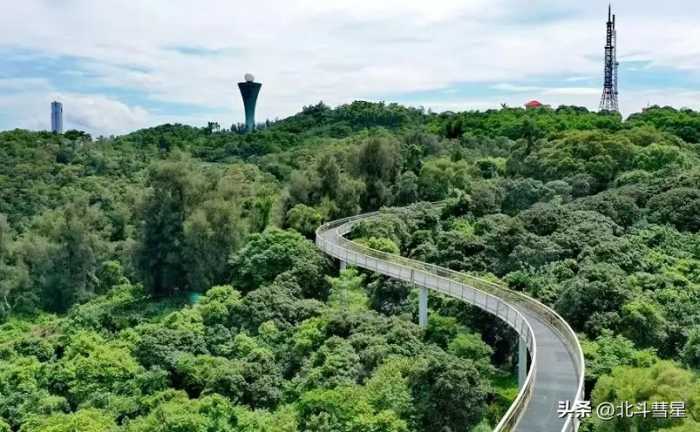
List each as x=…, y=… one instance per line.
x=423, y=307
x=522, y=362
x=343, y=265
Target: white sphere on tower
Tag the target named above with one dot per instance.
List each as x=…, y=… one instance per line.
x=249, y=77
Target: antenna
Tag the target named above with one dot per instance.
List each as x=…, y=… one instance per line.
x=609, y=101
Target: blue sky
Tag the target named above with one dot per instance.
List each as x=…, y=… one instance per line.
x=118, y=66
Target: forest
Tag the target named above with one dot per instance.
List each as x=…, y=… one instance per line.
x=167, y=280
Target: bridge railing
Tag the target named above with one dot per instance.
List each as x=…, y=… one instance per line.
x=484, y=294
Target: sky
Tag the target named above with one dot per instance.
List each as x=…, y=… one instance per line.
x=122, y=65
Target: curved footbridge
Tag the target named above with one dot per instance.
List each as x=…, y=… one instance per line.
x=556, y=367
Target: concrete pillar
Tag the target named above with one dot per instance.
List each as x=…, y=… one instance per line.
x=423, y=307
x=343, y=265
x=522, y=362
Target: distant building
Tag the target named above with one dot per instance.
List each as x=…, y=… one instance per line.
x=56, y=117
x=249, y=91
x=533, y=104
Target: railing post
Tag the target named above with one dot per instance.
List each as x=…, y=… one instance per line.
x=522, y=361
x=343, y=265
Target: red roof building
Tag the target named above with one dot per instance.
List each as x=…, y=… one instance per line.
x=533, y=104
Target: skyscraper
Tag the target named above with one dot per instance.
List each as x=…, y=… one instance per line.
x=249, y=91
x=56, y=117
x=608, y=102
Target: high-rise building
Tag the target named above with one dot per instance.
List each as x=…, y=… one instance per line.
x=608, y=102
x=56, y=117
x=249, y=91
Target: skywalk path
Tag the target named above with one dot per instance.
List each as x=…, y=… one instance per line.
x=556, y=368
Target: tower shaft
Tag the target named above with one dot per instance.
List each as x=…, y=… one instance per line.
x=249, y=92
x=609, y=102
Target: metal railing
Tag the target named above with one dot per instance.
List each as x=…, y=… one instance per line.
x=484, y=294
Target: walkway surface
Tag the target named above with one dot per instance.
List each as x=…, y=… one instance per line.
x=558, y=368
x=556, y=378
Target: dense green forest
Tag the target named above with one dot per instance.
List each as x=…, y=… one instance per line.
x=167, y=280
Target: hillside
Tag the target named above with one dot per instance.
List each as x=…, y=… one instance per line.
x=166, y=279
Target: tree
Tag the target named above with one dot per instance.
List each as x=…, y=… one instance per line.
x=85, y=420
x=407, y=189
x=618, y=205
x=390, y=226
x=521, y=194
x=609, y=351
x=302, y=188
x=282, y=420
x=211, y=234
x=347, y=198
x=5, y=238
x=486, y=199
x=345, y=409
x=596, y=154
x=488, y=168
x=691, y=350
x=335, y=364
x=110, y=274
x=347, y=291
x=388, y=388
x=530, y=132
x=63, y=262
x=379, y=164
x=160, y=345
x=644, y=323
x=658, y=156
x=161, y=257
x=329, y=174
x=471, y=346
x=443, y=384
x=174, y=411
x=260, y=213
x=304, y=219
x=439, y=177
x=389, y=296
x=379, y=159
x=664, y=381
x=92, y=369
x=679, y=207
x=273, y=252
x=379, y=244
x=593, y=299
x=279, y=303
x=218, y=306
x=15, y=291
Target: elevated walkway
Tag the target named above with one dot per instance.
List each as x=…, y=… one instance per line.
x=556, y=369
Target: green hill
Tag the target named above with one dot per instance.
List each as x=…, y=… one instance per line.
x=167, y=280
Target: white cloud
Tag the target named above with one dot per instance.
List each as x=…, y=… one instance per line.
x=578, y=78
x=548, y=91
x=339, y=50
x=572, y=91
x=8, y=85
x=101, y=114
x=97, y=114
x=515, y=88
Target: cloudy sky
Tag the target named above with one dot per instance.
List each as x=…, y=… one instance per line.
x=122, y=65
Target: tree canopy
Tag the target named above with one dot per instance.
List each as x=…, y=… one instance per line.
x=167, y=280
